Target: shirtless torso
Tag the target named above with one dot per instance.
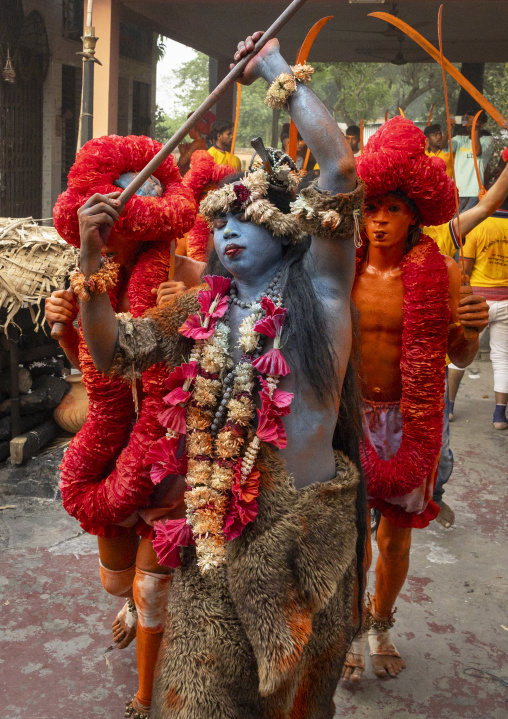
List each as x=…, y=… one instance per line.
x=378, y=295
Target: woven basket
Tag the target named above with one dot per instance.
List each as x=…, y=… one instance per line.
x=34, y=260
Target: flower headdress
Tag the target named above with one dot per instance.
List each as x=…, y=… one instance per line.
x=394, y=159
x=99, y=165
x=250, y=195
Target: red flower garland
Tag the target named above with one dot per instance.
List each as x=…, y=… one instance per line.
x=94, y=491
x=99, y=163
x=424, y=343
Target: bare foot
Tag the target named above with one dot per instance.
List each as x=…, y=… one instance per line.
x=386, y=660
x=124, y=626
x=354, y=666
x=446, y=516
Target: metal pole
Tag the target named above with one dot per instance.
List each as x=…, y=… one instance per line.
x=230, y=78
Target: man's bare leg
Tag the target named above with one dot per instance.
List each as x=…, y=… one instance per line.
x=151, y=588
x=394, y=544
x=117, y=558
x=354, y=666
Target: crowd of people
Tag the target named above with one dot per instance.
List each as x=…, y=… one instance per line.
x=289, y=379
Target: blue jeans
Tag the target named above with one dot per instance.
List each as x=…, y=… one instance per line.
x=446, y=459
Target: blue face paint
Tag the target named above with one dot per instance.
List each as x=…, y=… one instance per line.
x=245, y=249
x=150, y=188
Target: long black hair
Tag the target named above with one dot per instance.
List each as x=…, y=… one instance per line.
x=347, y=438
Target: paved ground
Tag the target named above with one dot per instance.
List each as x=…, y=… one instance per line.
x=55, y=617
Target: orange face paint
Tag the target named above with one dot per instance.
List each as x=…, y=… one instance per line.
x=387, y=220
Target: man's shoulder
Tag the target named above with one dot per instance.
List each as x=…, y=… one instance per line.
x=215, y=152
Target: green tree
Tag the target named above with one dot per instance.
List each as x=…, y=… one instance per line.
x=351, y=91
x=190, y=83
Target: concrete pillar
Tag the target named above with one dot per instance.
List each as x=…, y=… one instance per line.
x=474, y=72
x=106, y=20
x=226, y=104
x=153, y=84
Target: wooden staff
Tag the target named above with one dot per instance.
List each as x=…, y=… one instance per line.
x=430, y=113
x=301, y=59
x=361, y=136
x=181, y=134
x=469, y=333
x=210, y=101
x=307, y=157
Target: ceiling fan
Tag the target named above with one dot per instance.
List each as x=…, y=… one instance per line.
x=398, y=59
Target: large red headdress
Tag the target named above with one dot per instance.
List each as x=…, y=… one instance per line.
x=101, y=162
x=394, y=159
x=204, y=175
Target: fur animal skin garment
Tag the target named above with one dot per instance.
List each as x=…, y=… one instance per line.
x=265, y=636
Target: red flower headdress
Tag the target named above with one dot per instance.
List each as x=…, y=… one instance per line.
x=98, y=497
x=395, y=159
x=99, y=163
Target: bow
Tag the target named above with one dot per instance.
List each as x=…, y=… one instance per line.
x=301, y=59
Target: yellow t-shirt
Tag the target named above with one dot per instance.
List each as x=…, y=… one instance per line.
x=444, y=236
x=487, y=245
x=225, y=158
x=447, y=157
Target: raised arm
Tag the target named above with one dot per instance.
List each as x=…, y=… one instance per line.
x=487, y=205
x=332, y=253
x=100, y=326
x=315, y=124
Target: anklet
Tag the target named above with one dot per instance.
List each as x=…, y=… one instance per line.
x=371, y=621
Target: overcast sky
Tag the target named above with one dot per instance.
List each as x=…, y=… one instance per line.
x=176, y=55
